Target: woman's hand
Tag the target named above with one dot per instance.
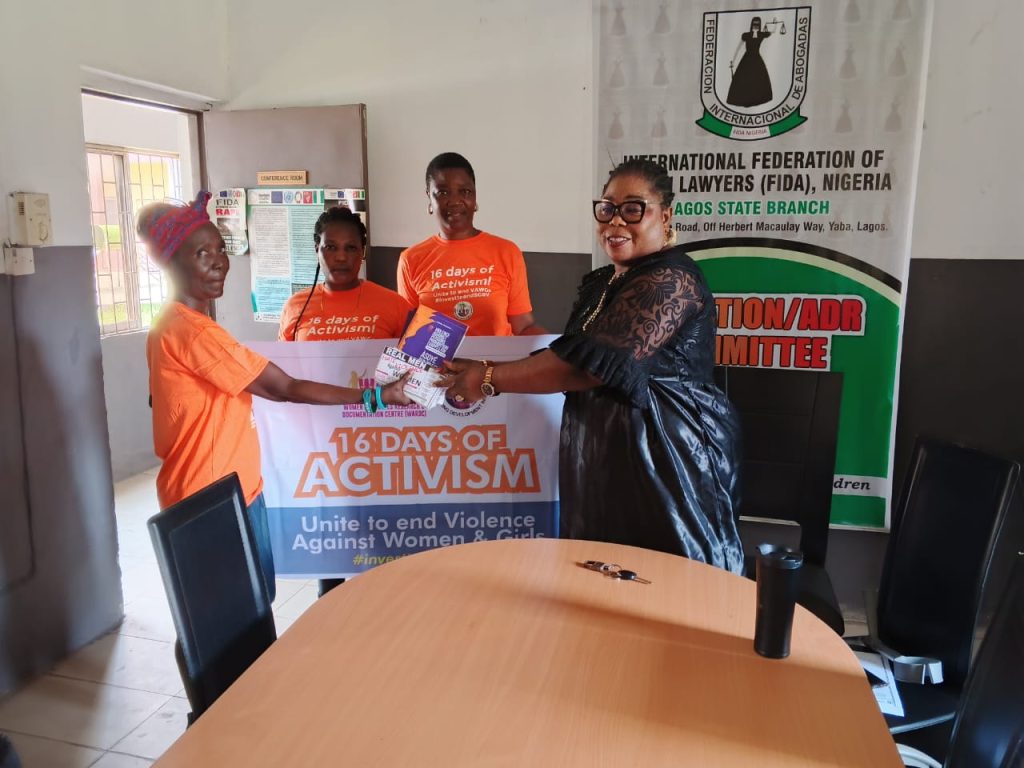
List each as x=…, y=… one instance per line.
x=394, y=393
x=462, y=378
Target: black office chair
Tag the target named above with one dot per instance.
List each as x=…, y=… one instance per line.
x=219, y=601
x=988, y=731
x=8, y=757
x=790, y=422
x=955, y=533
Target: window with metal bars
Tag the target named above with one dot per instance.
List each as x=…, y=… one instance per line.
x=130, y=289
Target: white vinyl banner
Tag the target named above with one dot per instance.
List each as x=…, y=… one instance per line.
x=346, y=490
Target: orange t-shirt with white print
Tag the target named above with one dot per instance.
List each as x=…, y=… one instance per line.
x=480, y=280
x=203, y=427
x=369, y=311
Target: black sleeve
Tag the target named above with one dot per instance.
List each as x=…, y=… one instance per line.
x=641, y=318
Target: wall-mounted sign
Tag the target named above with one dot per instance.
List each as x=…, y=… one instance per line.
x=792, y=135
x=281, y=178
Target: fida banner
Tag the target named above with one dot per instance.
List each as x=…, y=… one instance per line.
x=792, y=134
x=346, y=491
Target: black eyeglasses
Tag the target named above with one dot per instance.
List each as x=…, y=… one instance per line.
x=630, y=211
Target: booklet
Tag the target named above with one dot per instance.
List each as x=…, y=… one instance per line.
x=883, y=682
x=430, y=339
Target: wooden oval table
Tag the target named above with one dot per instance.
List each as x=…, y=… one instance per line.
x=508, y=653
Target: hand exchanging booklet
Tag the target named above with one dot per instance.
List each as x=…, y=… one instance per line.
x=430, y=340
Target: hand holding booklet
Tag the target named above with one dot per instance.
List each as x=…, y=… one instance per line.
x=430, y=339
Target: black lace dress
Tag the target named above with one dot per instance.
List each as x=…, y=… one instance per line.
x=651, y=457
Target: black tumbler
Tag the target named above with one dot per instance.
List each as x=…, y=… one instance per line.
x=778, y=576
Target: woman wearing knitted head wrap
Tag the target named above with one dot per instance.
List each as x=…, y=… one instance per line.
x=202, y=381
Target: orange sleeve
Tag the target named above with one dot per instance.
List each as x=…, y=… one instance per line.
x=217, y=358
x=518, y=287
x=405, y=286
x=288, y=315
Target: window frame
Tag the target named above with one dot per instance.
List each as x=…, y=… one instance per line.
x=133, y=261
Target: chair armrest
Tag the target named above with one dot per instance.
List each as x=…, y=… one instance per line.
x=906, y=669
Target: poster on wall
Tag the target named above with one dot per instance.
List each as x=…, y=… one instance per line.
x=281, y=225
x=792, y=135
x=346, y=490
x=227, y=211
x=353, y=199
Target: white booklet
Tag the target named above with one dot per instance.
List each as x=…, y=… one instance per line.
x=883, y=683
x=420, y=385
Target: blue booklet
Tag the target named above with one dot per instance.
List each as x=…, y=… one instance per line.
x=432, y=337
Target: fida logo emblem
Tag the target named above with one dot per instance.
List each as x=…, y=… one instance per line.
x=753, y=73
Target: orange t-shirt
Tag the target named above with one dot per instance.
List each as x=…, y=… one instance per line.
x=480, y=280
x=203, y=426
x=370, y=311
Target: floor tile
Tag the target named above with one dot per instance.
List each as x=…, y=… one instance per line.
x=149, y=618
x=297, y=604
x=141, y=584
x=158, y=732
x=77, y=711
x=283, y=622
x=286, y=589
x=129, y=662
x=116, y=760
x=35, y=752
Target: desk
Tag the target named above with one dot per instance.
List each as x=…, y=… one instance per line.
x=507, y=653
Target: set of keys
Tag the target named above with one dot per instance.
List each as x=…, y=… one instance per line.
x=614, y=571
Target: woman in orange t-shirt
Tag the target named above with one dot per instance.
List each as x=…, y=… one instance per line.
x=202, y=381
x=467, y=274
x=343, y=307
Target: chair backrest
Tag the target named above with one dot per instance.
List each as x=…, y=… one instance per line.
x=988, y=731
x=790, y=422
x=8, y=757
x=210, y=566
x=951, y=539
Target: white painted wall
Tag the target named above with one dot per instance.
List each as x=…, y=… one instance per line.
x=969, y=198
x=178, y=45
x=507, y=84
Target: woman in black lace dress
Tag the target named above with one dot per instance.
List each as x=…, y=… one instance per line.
x=649, y=445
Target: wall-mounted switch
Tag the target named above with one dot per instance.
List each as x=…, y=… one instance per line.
x=19, y=261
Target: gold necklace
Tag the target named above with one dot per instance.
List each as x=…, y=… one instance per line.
x=600, y=302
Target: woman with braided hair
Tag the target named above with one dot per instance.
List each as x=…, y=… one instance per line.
x=343, y=307
x=201, y=380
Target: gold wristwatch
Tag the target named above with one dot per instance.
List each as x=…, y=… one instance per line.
x=485, y=386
